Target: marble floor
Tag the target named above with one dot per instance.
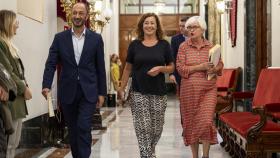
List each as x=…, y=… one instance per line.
x=119, y=140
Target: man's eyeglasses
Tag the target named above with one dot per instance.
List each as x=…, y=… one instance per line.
x=190, y=28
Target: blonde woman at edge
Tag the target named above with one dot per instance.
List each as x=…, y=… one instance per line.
x=11, y=61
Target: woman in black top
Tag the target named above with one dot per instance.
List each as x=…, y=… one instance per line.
x=149, y=57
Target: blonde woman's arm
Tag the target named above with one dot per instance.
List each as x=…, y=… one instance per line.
x=5, y=57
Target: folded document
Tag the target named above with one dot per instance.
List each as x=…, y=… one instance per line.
x=50, y=104
x=214, y=57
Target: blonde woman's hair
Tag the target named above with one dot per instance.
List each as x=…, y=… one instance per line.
x=7, y=20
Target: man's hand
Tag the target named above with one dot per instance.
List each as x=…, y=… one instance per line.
x=45, y=92
x=100, y=101
x=4, y=96
x=173, y=79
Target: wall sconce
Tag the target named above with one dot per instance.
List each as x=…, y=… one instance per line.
x=159, y=3
x=97, y=18
x=159, y=6
x=224, y=5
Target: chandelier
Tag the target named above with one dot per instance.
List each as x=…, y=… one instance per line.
x=159, y=3
x=223, y=5
x=97, y=18
x=159, y=6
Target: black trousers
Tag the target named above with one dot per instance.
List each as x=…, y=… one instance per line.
x=79, y=117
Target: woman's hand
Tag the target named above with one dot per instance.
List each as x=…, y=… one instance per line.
x=27, y=94
x=121, y=94
x=206, y=66
x=3, y=95
x=173, y=79
x=154, y=71
x=212, y=71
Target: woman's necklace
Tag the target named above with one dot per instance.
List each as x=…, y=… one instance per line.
x=150, y=43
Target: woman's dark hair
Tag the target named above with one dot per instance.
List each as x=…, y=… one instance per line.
x=140, y=31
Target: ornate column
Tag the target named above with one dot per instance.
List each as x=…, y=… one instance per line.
x=250, y=76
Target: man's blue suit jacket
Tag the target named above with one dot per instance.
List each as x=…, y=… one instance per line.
x=175, y=44
x=90, y=72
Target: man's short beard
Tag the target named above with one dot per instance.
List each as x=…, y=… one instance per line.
x=82, y=24
x=78, y=25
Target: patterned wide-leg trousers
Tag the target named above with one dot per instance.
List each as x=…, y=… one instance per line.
x=148, y=119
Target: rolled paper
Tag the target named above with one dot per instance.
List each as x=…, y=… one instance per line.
x=51, y=111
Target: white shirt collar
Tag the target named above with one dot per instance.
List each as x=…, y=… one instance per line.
x=83, y=34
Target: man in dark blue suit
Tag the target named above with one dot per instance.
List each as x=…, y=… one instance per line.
x=175, y=43
x=82, y=82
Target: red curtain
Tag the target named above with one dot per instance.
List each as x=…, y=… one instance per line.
x=59, y=10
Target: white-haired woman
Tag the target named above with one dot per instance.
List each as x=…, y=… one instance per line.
x=10, y=59
x=198, y=95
